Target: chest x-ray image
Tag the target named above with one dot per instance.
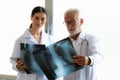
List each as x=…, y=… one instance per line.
x=54, y=60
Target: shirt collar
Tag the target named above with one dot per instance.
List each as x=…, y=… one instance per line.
x=27, y=34
x=80, y=37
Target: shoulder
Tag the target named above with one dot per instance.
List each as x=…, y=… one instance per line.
x=92, y=37
x=23, y=36
x=48, y=37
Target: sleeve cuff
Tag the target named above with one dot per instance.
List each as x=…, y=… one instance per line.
x=91, y=61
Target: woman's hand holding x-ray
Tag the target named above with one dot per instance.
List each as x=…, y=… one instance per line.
x=20, y=65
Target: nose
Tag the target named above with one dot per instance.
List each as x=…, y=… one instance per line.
x=69, y=26
x=40, y=21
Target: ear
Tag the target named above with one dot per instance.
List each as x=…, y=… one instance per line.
x=81, y=21
x=31, y=18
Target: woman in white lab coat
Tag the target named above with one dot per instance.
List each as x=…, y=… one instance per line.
x=33, y=35
x=86, y=46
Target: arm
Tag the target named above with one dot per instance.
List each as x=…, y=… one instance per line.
x=94, y=51
x=15, y=55
x=93, y=55
x=17, y=64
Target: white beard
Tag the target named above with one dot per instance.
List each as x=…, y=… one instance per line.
x=73, y=32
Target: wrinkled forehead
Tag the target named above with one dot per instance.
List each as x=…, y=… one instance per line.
x=71, y=16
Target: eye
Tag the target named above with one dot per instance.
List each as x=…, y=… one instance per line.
x=36, y=18
x=72, y=22
x=42, y=19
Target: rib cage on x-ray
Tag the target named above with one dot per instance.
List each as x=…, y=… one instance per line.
x=54, y=60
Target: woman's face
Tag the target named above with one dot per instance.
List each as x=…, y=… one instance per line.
x=38, y=19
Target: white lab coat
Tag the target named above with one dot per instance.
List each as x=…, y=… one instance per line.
x=28, y=38
x=89, y=48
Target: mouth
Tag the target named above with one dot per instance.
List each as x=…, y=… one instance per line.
x=38, y=24
x=70, y=29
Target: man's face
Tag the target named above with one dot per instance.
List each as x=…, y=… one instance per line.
x=73, y=24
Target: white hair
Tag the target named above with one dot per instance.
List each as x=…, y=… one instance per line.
x=72, y=10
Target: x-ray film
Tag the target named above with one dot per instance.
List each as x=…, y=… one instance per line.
x=54, y=60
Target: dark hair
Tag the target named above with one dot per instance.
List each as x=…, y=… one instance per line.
x=38, y=9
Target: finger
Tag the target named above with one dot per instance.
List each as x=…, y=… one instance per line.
x=76, y=56
x=21, y=67
x=76, y=60
x=22, y=64
x=18, y=60
x=79, y=61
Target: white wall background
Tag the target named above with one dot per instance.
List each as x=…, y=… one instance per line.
x=14, y=19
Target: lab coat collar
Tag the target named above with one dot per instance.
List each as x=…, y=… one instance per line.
x=28, y=36
x=82, y=35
